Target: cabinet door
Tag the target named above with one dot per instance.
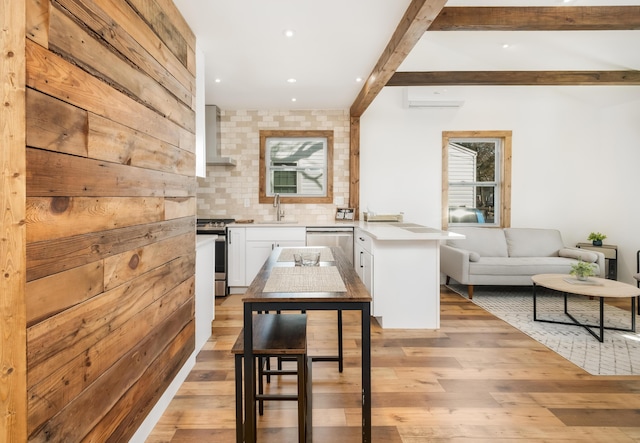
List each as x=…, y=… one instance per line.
x=364, y=269
x=290, y=243
x=204, y=299
x=236, y=257
x=256, y=254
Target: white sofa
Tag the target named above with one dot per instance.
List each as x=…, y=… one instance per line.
x=510, y=256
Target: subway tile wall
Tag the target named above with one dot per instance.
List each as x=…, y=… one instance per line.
x=232, y=191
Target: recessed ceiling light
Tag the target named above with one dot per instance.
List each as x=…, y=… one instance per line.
x=505, y=45
x=294, y=99
x=291, y=80
x=288, y=33
x=217, y=80
x=359, y=79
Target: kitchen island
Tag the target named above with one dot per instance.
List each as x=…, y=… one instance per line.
x=399, y=263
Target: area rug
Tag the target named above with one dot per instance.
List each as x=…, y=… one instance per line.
x=619, y=354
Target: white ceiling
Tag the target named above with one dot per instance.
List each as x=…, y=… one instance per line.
x=336, y=41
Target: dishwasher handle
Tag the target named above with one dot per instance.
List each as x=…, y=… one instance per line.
x=328, y=230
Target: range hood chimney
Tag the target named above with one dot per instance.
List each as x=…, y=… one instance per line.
x=212, y=137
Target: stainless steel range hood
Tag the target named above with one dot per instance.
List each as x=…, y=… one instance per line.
x=212, y=138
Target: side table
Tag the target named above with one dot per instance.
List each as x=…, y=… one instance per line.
x=610, y=257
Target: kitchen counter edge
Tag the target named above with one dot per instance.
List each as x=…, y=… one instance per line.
x=389, y=231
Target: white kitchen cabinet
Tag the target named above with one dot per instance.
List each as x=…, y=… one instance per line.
x=236, y=256
x=403, y=279
x=204, y=297
x=249, y=247
x=261, y=241
x=364, y=264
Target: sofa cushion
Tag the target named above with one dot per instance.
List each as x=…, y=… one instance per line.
x=579, y=254
x=521, y=266
x=528, y=242
x=487, y=242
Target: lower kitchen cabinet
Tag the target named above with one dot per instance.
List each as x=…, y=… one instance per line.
x=236, y=257
x=364, y=263
x=403, y=280
x=249, y=248
x=204, y=296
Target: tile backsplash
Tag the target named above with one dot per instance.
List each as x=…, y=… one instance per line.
x=232, y=191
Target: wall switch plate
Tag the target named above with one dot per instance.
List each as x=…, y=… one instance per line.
x=246, y=203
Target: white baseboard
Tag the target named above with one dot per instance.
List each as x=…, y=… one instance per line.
x=154, y=416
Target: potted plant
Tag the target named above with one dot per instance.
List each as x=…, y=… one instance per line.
x=596, y=238
x=582, y=270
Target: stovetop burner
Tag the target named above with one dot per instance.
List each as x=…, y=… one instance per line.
x=214, y=221
x=212, y=225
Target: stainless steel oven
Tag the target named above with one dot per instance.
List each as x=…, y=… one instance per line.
x=217, y=226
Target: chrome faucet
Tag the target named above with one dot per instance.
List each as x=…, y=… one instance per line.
x=279, y=210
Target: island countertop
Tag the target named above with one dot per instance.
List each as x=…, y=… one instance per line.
x=399, y=231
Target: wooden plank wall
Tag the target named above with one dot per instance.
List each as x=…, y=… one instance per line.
x=13, y=376
x=110, y=213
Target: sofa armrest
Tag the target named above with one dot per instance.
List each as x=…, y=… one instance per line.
x=599, y=261
x=601, y=264
x=454, y=263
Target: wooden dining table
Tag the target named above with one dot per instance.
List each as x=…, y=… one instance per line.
x=282, y=286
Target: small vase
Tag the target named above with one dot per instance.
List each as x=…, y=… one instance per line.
x=597, y=243
x=582, y=277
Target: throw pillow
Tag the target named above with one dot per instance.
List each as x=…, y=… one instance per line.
x=578, y=254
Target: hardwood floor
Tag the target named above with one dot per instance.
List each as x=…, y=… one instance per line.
x=476, y=379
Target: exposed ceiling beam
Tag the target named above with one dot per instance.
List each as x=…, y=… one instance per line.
x=416, y=20
x=530, y=78
x=559, y=18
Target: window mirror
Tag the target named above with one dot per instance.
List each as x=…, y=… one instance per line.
x=298, y=165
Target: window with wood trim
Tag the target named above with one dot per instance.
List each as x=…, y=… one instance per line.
x=476, y=178
x=298, y=165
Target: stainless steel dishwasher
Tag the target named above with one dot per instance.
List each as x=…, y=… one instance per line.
x=339, y=236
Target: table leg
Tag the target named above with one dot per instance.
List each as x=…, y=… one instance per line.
x=366, y=373
x=249, y=377
x=633, y=314
x=601, y=339
x=535, y=311
x=239, y=426
x=340, y=348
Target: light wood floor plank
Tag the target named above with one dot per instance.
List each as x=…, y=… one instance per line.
x=477, y=379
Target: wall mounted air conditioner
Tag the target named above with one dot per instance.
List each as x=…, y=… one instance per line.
x=417, y=100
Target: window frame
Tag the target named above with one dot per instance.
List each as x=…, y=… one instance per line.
x=504, y=174
x=263, y=196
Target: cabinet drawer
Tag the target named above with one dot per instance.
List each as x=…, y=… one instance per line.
x=363, y=240
x=275, y=234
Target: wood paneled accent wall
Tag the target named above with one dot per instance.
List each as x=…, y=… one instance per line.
x=110, y=213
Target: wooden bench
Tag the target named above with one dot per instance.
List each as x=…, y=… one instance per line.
x=278, y=335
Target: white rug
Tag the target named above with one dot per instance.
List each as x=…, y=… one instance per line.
x=619, y=354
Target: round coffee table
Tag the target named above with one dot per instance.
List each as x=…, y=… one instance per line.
x=593, y=287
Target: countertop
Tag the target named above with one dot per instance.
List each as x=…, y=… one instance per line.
x=291, y=224
x=389, y=231
x=398, y=231
x=204, y=239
